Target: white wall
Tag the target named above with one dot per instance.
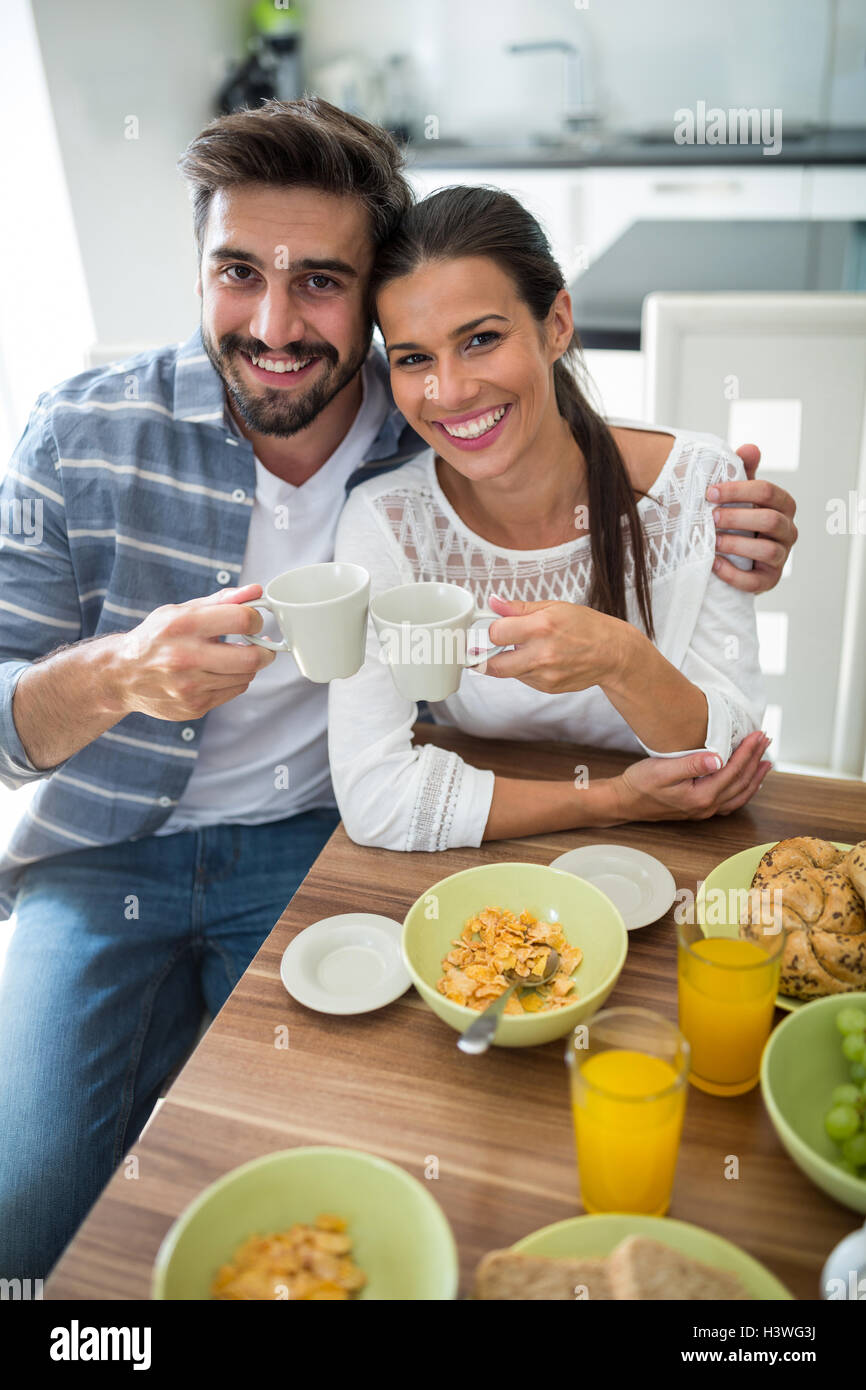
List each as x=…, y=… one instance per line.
x=847, y=96
x=647, y=58
x=160, y=61
x=46, y=324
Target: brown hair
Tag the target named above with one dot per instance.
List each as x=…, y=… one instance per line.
x=292, y=144
x=487, y=222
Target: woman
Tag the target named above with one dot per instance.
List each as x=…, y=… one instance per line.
x=597, y=537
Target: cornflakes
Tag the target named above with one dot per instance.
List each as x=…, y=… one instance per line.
x=495, y=941
x=305, y=1262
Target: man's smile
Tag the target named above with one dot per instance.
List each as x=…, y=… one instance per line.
x=279, y=370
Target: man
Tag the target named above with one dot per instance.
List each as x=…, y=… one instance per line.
x=173, y=821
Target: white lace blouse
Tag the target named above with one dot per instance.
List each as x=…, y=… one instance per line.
x=402, y=528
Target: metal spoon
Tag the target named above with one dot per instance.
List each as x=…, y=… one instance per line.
x=480, y=1033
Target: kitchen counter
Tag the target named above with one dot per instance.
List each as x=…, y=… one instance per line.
x=653, y=149
x=711, y=256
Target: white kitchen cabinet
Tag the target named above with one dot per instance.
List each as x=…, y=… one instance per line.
x=545, y=192
x=836, y=192
x=584, y=210
x=605, y=202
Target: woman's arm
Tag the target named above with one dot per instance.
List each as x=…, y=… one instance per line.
x=391, y=793
x=654, y=789
x=663, y=708
x=722, y=658
x=566, y=646
x=710, y=696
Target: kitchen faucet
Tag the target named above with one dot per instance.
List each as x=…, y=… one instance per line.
x=574, y=112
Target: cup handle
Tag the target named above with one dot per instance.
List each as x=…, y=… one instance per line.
x=488, y=651
x=264, y=641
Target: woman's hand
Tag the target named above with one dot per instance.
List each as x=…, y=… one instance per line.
x=685, y=789
x=560, y=646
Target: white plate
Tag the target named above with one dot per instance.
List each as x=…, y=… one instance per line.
x=349, y=964
x=639, y=885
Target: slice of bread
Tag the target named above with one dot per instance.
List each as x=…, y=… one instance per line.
x=504, y=1274
x=641, y=1268
x=638, y=1269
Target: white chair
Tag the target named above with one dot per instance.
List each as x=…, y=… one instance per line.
x=787, y=372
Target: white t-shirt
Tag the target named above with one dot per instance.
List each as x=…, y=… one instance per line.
x=264, y=755
x=402, y=527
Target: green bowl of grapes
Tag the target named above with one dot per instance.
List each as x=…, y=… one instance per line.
x=813, y=1080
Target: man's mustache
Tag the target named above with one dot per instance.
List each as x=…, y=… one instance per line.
x=232, y=344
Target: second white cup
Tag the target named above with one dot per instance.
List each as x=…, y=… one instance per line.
x=425, y=635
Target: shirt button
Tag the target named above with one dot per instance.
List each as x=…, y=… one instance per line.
x=223, y=576
x=165, y=801
x=187, y=734
x=239, y=495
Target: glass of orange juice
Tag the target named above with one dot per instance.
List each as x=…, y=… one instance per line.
x=727, y=993
x=628, y=1091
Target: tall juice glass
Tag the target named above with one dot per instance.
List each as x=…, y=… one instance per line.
x=727, y=993
x=628, y=1090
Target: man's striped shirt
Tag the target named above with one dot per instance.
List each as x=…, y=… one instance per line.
x=130, y=488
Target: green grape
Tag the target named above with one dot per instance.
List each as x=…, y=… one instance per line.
x=854, y=1149
x=851, y=1021
x=854, y=1047
x=846, y=1166
x=848, y=1094
x=857, y=1072
x=841, y=1122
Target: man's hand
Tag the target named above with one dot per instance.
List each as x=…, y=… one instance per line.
x=173, y=665
x=771, y=519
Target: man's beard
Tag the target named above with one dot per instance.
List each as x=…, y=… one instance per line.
x=275, y=410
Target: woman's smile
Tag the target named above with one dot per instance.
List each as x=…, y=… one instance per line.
x=477, y=429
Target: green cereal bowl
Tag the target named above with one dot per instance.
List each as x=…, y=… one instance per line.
x=802, y=1062
x=589, y=920
x=401, y=1238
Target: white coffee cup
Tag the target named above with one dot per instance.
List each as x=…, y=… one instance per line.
x=425, y=632
x=321, y=610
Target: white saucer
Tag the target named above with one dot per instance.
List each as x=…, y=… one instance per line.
x=636, y=883
x=350, y=964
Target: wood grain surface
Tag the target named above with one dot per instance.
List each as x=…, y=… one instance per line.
x=498, y=1127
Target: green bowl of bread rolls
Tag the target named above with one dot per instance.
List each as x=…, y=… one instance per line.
x=812, y=889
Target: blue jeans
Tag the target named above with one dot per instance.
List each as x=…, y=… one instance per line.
x=115, y=955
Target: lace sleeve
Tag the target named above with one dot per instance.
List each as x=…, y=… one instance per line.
x=437, y=806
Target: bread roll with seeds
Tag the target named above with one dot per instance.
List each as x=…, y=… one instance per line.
x=854, y=865
x=822, y=914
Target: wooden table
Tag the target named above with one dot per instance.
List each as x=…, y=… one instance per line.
x=393, y=1082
